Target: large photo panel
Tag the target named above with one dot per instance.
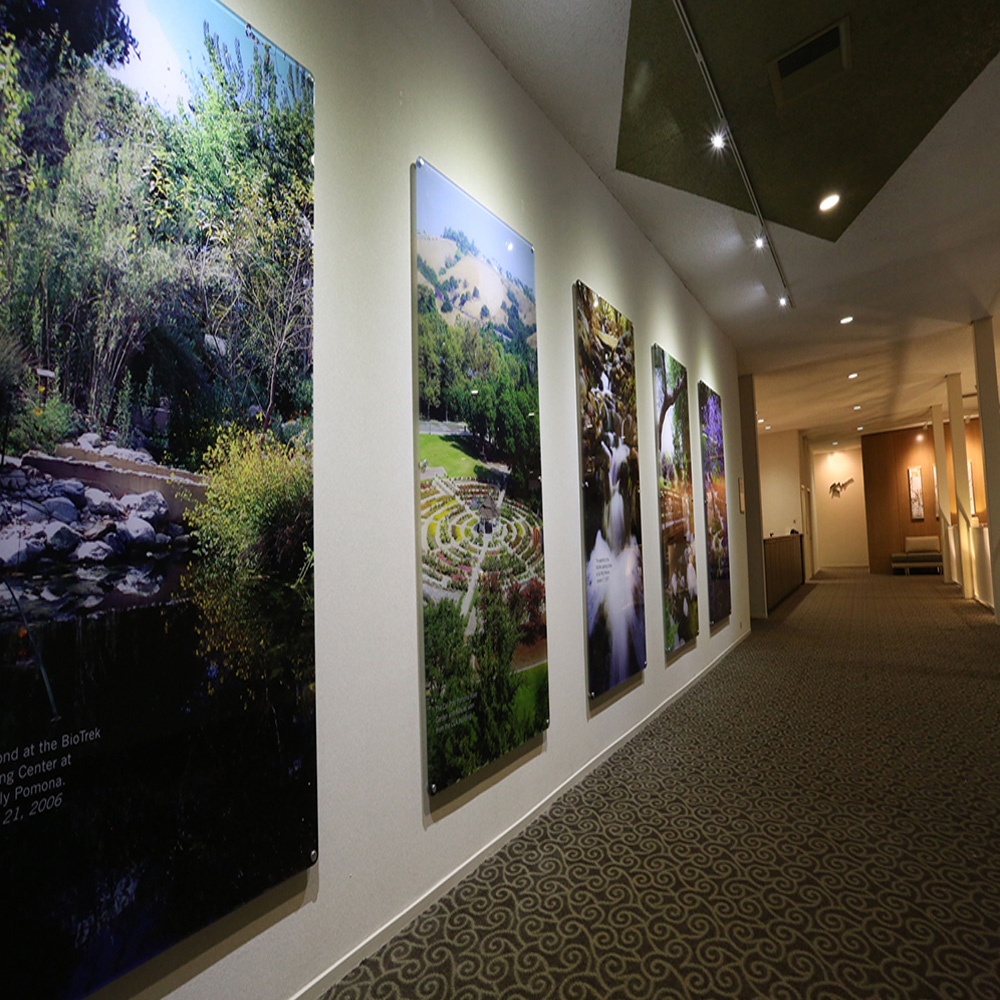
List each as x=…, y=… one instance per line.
x=612, y=531
x=713, y=462
x=675, y=493
x=157, y=727
x=480, y=516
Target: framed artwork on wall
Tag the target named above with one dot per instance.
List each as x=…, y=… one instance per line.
x=480, y=506
x=916, y=484
x=713, y=462
x=609, y=454
x=675, y=493
x=157, y=673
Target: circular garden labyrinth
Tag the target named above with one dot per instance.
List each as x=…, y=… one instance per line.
x=452, y=540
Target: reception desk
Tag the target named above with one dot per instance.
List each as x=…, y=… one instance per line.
x=783, y=572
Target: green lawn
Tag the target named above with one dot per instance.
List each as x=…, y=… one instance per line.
x=533, y=686
x=450, y=453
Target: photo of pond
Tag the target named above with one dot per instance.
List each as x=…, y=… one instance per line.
x=157, y=661
x=713, y=463
x=675, y=492
x=480, y=517
x=612, y=532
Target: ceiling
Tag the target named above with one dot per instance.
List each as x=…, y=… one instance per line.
x=908, y=133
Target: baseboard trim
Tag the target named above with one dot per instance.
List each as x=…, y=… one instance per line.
x=325, y=980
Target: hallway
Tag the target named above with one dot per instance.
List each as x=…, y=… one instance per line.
x=817, y=818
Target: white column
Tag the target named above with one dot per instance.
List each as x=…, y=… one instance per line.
x=754, y=512
x=943, y=493
x=989, y=424
x=960, y=464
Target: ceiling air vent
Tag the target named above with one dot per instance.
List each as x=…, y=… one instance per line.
x=818, y=59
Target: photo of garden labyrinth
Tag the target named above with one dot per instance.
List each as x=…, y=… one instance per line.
x=456, y=547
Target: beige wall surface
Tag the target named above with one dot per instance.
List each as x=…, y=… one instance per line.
x=778, y=454
x=398, y=79
x=841, y=530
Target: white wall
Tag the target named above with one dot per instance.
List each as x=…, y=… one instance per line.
x=397, y=79
x=841, y=527
x=778, y=457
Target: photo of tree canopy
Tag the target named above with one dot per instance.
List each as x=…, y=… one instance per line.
x=612, y=529
x=483, y=570
x=157, y=665
x=675, y=492
x=713, y=462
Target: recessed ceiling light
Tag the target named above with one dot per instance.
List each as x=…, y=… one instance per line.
x=858, y=407
x=719, y=140
x=830, y=201
x=861, y=428
x=853, y=375
x=835, y=443
x=761, y=420
x=759, y=243
x=783, y=301
x=767, y=427
x=846, y=320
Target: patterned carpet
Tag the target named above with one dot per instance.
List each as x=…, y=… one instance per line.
x=817, y=818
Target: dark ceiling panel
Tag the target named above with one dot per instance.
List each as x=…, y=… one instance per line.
x=910, y=61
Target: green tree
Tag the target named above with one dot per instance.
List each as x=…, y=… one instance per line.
x=451, y=692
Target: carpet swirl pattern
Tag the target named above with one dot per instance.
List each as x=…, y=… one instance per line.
x=818, y=818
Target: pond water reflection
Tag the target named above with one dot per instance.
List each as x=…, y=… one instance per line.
x=175, y=779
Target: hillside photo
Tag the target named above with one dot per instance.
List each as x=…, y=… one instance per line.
x=157, y=665
x=483, y=570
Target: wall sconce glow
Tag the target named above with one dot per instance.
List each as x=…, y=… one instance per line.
x=759, y=243
x=846, y=320
x=718, y=140
x=853, y=375
x=830, y=201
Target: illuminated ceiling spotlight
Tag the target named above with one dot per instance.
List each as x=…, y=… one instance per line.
x=861, y=428
x=759, y=242
x=853, y=375
x=783, y=301
x=830, y=201
x=846, y=320
x=719, y=139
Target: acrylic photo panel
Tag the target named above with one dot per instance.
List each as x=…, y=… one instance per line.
x=157, y=672
x=915, y=480
x=609, y=460
x=480, y=511
x=713, y=464
x=675, y=494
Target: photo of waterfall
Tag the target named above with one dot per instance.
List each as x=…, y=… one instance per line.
x=713, y=463
x=676, y=501
x=612, y=534
x=482, y=566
